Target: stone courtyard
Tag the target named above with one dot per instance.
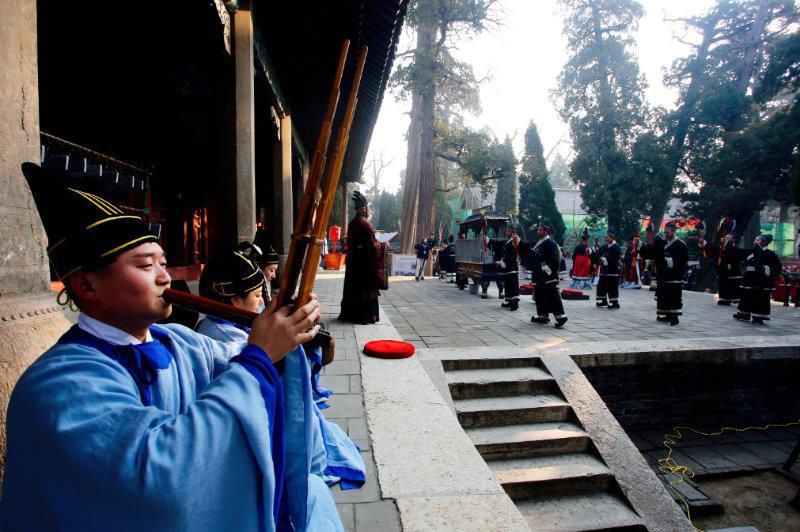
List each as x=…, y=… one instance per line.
x=455, y=330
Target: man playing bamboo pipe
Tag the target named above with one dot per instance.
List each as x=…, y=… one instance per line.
x=131, y=426
x=236, y=280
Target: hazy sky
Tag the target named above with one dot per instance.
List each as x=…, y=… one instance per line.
x=523, y=57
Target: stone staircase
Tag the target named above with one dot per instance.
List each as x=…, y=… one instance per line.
x=529, y=435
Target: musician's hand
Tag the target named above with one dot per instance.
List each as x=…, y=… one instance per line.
x=279, y=332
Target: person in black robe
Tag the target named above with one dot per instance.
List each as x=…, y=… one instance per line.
x=543, y=261
x=761, y=269
x=509, y=267
x=728, y=261
x=361, y=283
x=671, y=257
x=607, y=257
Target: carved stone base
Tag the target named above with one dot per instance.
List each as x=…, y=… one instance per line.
x=28, y=327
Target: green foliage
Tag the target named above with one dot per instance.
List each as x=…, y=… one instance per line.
x=600, y=96
x=389, y=211
x=559, y=173
x=536, y=195
x=507, y=193
x=477, y=154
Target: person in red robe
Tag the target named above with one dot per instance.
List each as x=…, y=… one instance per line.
x=581, y=265
x=361, y=276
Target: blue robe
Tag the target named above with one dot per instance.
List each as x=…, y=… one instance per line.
x=335, y=456
x=85, y=450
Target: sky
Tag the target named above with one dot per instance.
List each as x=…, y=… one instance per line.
x=522, y=58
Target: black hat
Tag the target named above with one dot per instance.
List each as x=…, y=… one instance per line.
x=611, y=232
x=670, y=225
x=270, y=257
x=84, y=230
x=766, y=239
x=232, y=275
x=359, y=199
x=545, y=224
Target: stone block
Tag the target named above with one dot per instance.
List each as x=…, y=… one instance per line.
x=381, y=515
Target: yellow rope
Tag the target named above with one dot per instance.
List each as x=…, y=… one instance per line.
x=669, y=466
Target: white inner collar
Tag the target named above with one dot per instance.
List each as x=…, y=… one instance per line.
x=108, y=333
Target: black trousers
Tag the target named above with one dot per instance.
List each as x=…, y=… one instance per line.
x=511, y=283
x=548, y=300
x=729, y=287
x=755, y=301
x=608, y=288
x=669, y=297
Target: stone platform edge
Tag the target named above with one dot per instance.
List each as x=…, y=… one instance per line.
x=424, y=459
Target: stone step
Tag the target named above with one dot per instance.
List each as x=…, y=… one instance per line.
x=533, y=439
x=490, y=363
x=501, y=382
x=561, y=474
x=589, y=511
x=495, y=411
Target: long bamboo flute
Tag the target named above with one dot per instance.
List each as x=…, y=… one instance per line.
x=329, y=183
x=303, y=222
x=210, y=307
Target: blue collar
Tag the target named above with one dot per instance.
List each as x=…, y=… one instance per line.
x=226, y=322
x=141, y=361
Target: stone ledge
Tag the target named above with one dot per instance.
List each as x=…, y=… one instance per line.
x=424, y=459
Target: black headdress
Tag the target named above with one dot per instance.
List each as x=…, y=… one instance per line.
x=611, y=232
x=546, y=224
x=84, y=230
x=359, y=199
x=232, y=275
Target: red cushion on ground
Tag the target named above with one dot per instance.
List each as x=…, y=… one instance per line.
x=572, y=291
x=389, y=349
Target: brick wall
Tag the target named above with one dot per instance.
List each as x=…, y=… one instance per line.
x=700, y=394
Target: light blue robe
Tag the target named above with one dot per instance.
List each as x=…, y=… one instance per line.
x=85, y=453
x=334, y=455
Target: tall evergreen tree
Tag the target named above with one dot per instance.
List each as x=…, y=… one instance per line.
x=507, y=185
x=536, y=195
x=600, y=96
x=433, y=78
x=715, y=81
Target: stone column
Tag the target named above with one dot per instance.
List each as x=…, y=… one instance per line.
x=282, y=202
x=245, y=124
x=30, y=320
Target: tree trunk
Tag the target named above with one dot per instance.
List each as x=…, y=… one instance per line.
x=751, y=48
x=427, y=168
x=408, y=221
x=685, y=117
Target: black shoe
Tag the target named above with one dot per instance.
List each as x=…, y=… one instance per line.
x=673, y=320
x=758, y=321
x=501, y=295
x=514, y=305
x=662, y=318
x=540, y=319
x=613, y=305
x=727, y=303
x=560, y=322
x=601, y=303
x=741, y=317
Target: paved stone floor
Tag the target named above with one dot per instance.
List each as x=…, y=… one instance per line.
x=360, y=509
x=434, y=314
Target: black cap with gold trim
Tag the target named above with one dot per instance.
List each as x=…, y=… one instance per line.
x=84, y=230
x=232, y=275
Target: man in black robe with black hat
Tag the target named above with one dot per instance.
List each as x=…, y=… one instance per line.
x=509, y=267
x=361, y=284
x=543, y=261
x=728, y=260
x=607, y=257
x=671, y=257
x=761, y=269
